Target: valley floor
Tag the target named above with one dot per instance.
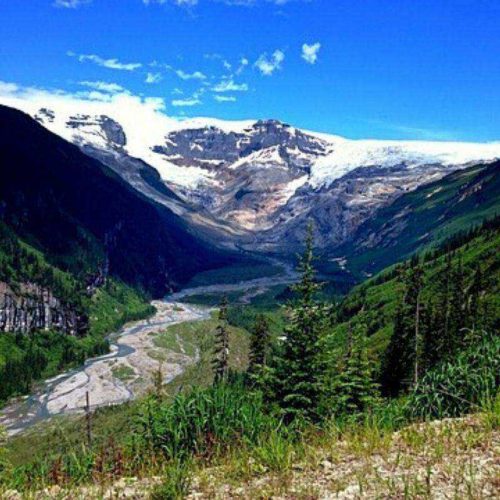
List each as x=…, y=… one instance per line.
x=113, y=378
x=448, y=459
x=136, y=353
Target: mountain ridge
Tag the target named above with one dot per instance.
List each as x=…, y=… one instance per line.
x=253, y=185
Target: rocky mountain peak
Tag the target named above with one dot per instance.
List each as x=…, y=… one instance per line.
x=101, y=126
x=45, y=116
x=212, y=148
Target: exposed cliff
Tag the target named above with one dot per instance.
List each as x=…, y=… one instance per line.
x=32, y=307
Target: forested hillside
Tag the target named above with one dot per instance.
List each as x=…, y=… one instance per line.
x=418, y=341
x=455, y=286
x=44, y=350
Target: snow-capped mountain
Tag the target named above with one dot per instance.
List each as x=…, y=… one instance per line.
x=256, y=183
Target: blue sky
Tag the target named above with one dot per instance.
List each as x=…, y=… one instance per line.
x=409, y=69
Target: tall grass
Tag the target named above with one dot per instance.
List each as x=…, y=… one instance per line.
x=175, y=483
x=231, y=423
x=204, y=422
x=460, y=385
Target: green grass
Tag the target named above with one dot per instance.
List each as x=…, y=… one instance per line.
x=462, y=385
x=114, y=305
x=123, y=372
x=200, y=336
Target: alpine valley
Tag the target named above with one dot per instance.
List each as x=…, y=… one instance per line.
x=120, y=232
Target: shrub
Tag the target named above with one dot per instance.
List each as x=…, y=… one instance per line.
x=175, y=483
x=3, y=454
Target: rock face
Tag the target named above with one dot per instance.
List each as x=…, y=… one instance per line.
x=101, y=126
x=33, y=307
x=340, y=208
x=252, y=173
x=212, y=148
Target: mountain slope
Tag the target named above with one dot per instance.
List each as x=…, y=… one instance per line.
x=254, y=184
x=83, y=216
x=424, y=217
x=375, y=301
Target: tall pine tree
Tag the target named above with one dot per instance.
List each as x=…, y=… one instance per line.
x=259, y=346
x=402, y=362
x=220, y=361
x=299, y=372
x=354, y=389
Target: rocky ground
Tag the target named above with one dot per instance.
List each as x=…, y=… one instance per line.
x=450, y=459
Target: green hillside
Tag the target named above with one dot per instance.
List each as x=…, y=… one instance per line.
x=25, y=359
x=425, y=217
x=471, y=257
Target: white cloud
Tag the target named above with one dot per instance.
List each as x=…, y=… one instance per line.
x=268, y=65
x=225, y=98
x=196, y=75
x=94, y=95
x=153, y=78
x=143, y=117
x=70, y=4
x=182, y=3
x=103, y=86
x=310, y=52
x=189, y=101
x=96, y=101
x=244, y=62
x=7, y=88
x=106, y=63
x=230, y=86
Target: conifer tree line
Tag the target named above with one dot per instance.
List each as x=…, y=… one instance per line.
x=18, y=264
x=437, y=317
x=295, y=375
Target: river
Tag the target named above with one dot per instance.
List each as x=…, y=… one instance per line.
x=130, y=355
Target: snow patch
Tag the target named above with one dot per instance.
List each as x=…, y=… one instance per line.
x=348, y=155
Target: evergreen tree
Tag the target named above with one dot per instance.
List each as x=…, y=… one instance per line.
x=449, y=312
x=354, y=388
x=259, y=346
x=402, y=363
x=299, y=373
x=220, y=362
x=475, y=294
x=456, y=323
